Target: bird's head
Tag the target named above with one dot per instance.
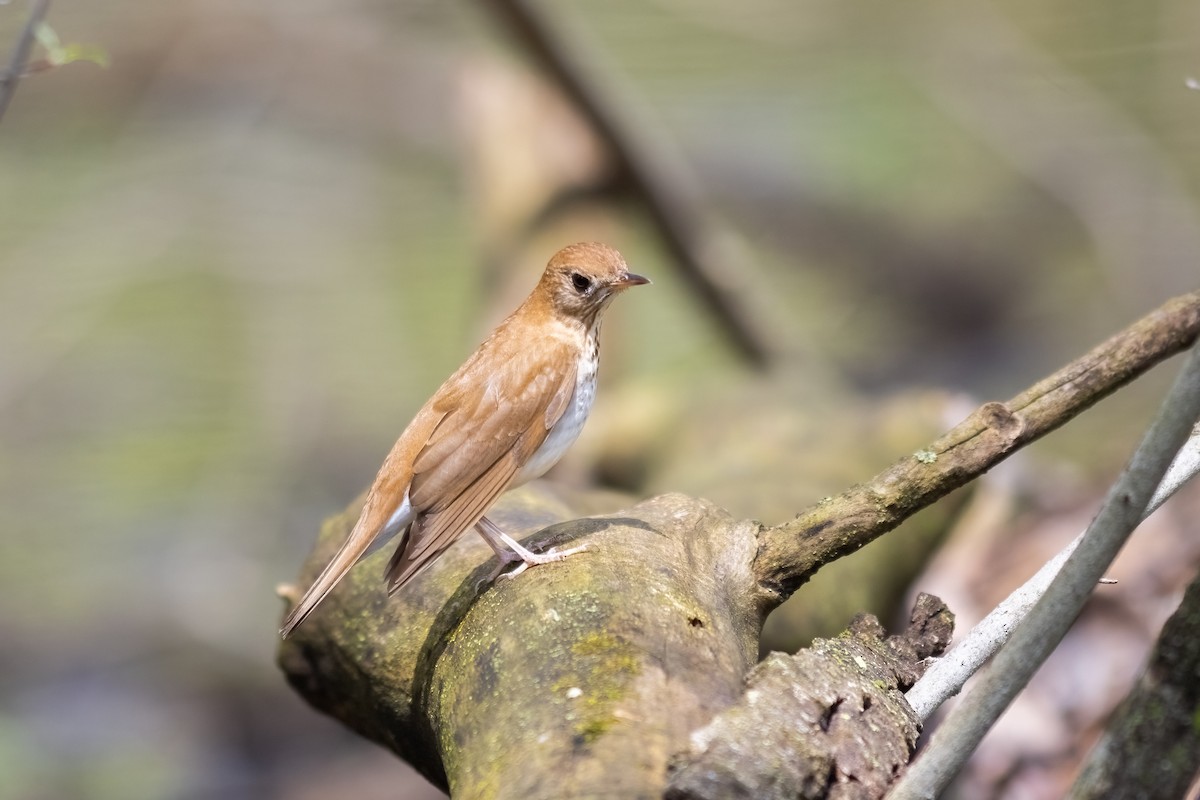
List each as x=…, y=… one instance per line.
x=581, y=279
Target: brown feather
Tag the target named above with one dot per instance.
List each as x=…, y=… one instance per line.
x=489, y=423
x=431, y=534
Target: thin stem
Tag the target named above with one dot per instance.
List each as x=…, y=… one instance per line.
x=16, y=67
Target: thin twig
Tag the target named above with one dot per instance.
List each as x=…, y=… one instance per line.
x=790, y=553
x=716, y=267
x=1040, y=632
x=20, y=57
x=946, y=676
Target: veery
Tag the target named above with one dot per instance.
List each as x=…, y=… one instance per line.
x=503, y=418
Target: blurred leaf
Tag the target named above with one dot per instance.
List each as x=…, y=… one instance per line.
x=59, y=54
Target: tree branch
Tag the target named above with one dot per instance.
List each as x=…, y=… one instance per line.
x=789, y=554
x=20, y=57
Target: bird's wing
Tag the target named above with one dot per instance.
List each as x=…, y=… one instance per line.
x=477, y=450
x=431, y=534
x=514, y=406
x=388, y=494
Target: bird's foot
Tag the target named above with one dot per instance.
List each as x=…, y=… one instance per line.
x=530, y=559
x=510, y=551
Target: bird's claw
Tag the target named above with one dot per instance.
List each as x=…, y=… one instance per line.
x=530, y=559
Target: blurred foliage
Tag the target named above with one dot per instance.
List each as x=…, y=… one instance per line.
x=59, y=54
x=234, y=263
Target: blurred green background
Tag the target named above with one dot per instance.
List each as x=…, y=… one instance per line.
x=235, y=262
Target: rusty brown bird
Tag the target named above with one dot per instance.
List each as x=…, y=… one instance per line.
x=503, y=418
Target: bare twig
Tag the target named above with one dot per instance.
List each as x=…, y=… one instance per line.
x=717, y=269
x=20, y=57
x=1040, y=632
x=946, y=676
x=790, y=553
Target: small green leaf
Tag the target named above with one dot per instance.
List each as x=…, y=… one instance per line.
x=58, y=54
x=78, y=51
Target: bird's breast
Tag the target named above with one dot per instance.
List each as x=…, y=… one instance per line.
x=566, y=430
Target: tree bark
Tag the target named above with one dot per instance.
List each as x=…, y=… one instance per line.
x=828, y=722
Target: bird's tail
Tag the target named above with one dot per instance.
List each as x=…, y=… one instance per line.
x=365, y=537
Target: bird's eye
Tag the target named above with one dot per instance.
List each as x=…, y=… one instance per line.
x=582, y=283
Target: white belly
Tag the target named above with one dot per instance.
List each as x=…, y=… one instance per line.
x=566, y=430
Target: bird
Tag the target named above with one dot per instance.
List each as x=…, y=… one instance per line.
x=507, y=415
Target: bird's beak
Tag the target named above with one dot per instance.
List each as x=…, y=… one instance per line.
x=629, y=279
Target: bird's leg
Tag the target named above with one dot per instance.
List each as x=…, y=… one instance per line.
x=508, y=550
x=495, y=539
